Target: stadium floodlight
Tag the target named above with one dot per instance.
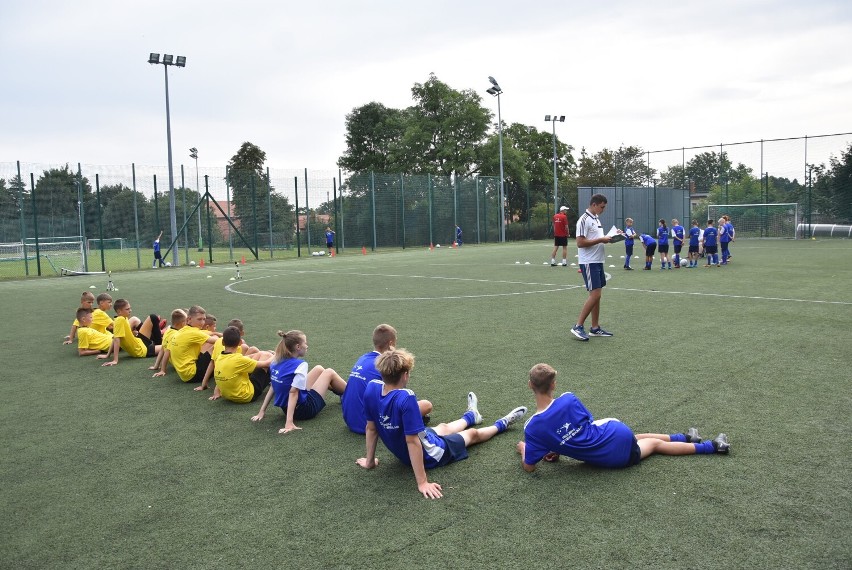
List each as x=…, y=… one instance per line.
x=193, y=153
x=496, y=92
x=166, y=62
x=553, y=119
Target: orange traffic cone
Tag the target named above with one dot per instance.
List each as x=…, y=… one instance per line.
x=454, y=244
x=243, y=260
x=332, y=253
x=201, y=264
x=363, y=250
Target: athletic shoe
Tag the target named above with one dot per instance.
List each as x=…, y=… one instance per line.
x=692, y=435
x=473, y=406
x=599, y=332
x=629, y=268
x=513, y=416
x=720, y=444
x=579, y=332
x=564, y=264
x=647, y=269
x=553, y=265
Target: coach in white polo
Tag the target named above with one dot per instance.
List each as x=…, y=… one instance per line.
x=590, y=249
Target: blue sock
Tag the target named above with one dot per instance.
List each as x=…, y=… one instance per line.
x=678, y=437
x=469, y=418
x=704, y=448
x=501, y=425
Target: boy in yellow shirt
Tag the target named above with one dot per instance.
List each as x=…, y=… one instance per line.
x=87, y=299
x=190, y=347
x=162, y=360
x=239, y=378
x=89, y=340
x=142, y=343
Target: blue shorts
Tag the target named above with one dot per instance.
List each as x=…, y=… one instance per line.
x=310, y=407
x=593, y=276
x=455, y=449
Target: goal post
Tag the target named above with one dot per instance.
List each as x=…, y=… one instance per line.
x=65, y=252
x=759, y=220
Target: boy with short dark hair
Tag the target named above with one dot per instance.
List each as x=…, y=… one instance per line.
x=629, y=235
x=89, y=340
x=694, y=240
x=563, y=426
x=87, y=299
x=101, y=321
x=394, y=416
x=239, y=378
x=161, y=362
x=710, y=247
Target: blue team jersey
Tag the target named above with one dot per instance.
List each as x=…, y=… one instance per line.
x=352, y=400
x=647, y=240
x=694, y=234
x=281, y=375
x=710, y=234
x=678, y=233
x=724, y=236
x=662, y=235
x=629, y=234
x=156, y=246
x=566, y=427
x=329, y=237
x=396, y=415
x=730, y=227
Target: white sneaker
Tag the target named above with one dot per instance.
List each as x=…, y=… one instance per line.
x=514, y=415
x=473, y=406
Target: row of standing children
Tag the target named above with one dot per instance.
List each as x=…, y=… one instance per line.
x=704, y=243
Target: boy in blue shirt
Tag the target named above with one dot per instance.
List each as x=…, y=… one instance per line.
x=663, y=244
x=364, y=371
x=329, y=239
x=710, y=247
x=724, y=239
x=394, y=416
x=458, y=236
x=694, y=238
x=629, y=235
x=678, y=234
x=650, y=247
x=563, y=426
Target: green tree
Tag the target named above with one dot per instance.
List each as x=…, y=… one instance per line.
x=623, y=167
x=56, y=203
x=836, y=187
x=374, y=136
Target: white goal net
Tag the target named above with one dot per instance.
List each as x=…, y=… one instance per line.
x=759, y=220
x=60, y=252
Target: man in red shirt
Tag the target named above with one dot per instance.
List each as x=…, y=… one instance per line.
x=560, y=236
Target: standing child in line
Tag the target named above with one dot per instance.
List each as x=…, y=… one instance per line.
x=299, y=393
x=731, y=232
x=650, y=247
x=158, y=257
x=563, y=426
x=363, y=372
x=710, y=247
x=239, y=378
x=329, y=239
x=144, y=344
x=87, y=300
x=724, y=239
x=458, y=236
x=694, y=240
x=560, y=236
x=393, y=415
x=678, y=236
x=89, y=340
x=629, y=235
x=663, y=245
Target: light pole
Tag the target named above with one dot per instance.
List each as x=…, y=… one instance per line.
x=553, y=120
x=496, y=92
x=193, y=153
x=179, y=61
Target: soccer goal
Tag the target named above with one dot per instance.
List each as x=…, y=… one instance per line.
x=62, y=253
x=759, y=220
x=108, y=243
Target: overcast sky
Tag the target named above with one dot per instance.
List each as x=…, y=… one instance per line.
x=282, y=74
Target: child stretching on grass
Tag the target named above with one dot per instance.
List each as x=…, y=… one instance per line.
x=393, y=415
x=219, y=347
x=189, y=349
x=178, y=322
x=352, y=401
x=142, y=343
x=296, y=391
x=563, y=426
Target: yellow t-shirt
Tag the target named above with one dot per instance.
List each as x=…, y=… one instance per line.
x=100, y=321
x=218, y=347
x=89, y=338
x=232, y=377
x=167, y=337
x=130, y=344
x=185, y=348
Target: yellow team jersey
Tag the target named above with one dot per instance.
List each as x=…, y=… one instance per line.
x=100, y=321
x=89, y=338
x=167, y=337
x=232, y=377
x=132, y=345
x=185, y=348
x=218, y=347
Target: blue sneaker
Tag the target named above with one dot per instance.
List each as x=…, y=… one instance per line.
x=599, y=332
x=579, y=332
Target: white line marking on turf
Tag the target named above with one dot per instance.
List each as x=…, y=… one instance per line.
x=728, y=296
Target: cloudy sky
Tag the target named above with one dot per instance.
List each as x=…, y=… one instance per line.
x=282, y=74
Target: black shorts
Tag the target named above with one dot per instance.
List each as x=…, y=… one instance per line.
x=259, y=380
x=650, y=249
x=711, y=249
x=677, y=247
x=560, y=240
x=693, y=249
x=663, y=248
x=200, y=368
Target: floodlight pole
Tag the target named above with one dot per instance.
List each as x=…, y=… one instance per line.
x=553, y=120
x=193, y=153
x=166, y=62
x=496, y=91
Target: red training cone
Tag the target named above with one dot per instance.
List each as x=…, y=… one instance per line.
x=363, y=250
x=243, y=260
x=431, y=247
x=201, y=264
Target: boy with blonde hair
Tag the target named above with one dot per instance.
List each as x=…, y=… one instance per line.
x=393, y=415
x=189, y=350
x=142, y=343
x=563, y=426
x=87, y=299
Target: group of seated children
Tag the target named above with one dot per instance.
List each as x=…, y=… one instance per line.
x=701, y=243
x=375, y=401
